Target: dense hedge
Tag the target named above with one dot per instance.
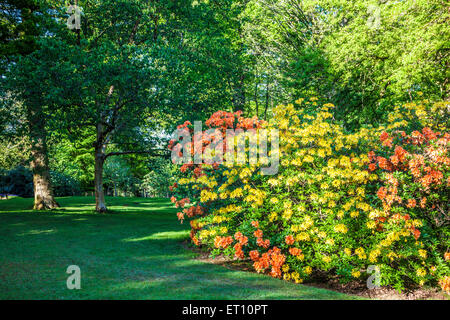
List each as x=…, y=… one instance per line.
x=340, y=203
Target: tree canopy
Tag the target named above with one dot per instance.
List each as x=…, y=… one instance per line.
x=71, y=99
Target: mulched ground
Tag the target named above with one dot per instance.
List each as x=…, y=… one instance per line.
x=322, y=280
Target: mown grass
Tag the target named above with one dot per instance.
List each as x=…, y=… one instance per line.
x=135, y=253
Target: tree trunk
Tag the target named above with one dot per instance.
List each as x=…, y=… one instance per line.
x=239, y=94
x=256, y=99
x=267, y=100
x=43, y=193
x=100, y=205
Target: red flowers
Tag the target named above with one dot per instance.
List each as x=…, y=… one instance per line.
x=172, y=187
x=198, y=172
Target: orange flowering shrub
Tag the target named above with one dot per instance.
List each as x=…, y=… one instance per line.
x=339, y=203
x=414, y=172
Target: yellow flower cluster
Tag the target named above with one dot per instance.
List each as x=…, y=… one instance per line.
x=206, y=196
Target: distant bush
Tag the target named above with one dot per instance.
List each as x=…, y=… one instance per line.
x=19, y=181
x=340, y=202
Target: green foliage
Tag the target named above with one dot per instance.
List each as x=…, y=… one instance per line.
x=15, y=152
x=364, y=56
x=64, y=185
x=74, y=159
x=162, y=175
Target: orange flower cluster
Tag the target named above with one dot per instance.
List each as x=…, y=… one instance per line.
x=411, y=203
x=431, y=177
x=272, y=258
x=295, y=251
x=258, y=235
x=447, y=256
x=181, y=203
x=185, y=166
x=194, y=239
x=289, y=240
x=254, y=255
x=238, y=253
x=263, y=243
x=261, y=263
x=243, y=240
x=219, y=122
x=445, y=284
x=386, y=139
x=399, y=159
x=389, y=195
x=223, y=242
x=190, y=212
x=223, y=119
x=426, y=166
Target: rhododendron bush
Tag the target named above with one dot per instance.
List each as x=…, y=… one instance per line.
x=340, y=202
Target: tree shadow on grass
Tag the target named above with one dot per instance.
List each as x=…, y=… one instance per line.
x=137, y=254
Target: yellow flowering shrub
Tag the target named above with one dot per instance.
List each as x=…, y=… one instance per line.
x=322, y=210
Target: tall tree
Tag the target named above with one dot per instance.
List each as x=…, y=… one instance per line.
x=23, y=22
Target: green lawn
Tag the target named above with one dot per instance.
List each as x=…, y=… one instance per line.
x=135, y=253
